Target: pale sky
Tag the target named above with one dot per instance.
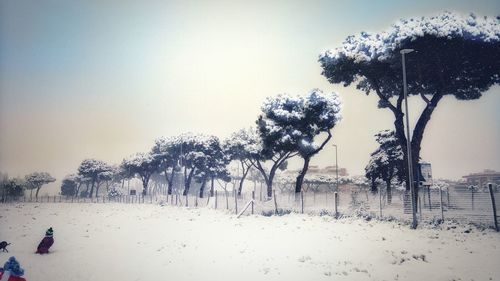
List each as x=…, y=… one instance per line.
x=103, y=79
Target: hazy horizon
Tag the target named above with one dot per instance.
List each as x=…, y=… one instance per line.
x=92, y=79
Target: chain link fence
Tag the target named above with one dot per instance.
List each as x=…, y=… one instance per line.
x=459, y=203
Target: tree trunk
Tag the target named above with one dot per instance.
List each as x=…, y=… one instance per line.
x=417, y=137
x=389, y=191
x=269, y=179
x=300, y=177
x=202, y=187
x=98, y=184
x=373, y=185
x=37, y=190
x=212, y=187
x=170, y=181
x=91, y=190
x=245, y=172
x=145, y=181
x=77, y=190
x=187, y=184
x=270, y=182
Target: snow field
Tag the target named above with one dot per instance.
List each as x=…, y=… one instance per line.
x=150, y=242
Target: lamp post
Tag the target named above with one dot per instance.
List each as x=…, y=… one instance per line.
x=336, y=166
x=408, y=141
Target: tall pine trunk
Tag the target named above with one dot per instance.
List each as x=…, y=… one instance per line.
x=170, y=181
x=202, y=187
x=37, y=190
x=98, y=184
x=245, y=172
x=187, y=184
x=301, y=176
x=389, y=191
x=77, y=190
x=212, y=192
x=91, y=190
x=145, y=186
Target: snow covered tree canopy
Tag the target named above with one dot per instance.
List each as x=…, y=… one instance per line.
x=290, y=123
x=140, y=163
x=36, y=179
x=195, y=148
x=456, y=55
x=200, y=152
x=243, y=144
x=93, y=169
x=167, y=151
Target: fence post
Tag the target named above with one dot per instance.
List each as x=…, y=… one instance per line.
x=420, y=206
x=441, y=203
x=494, y=206
x=380, y=201
x=336, y=201
x=216, y=199
x=275, y=203
x=235, y=202
x=260, y=192
x=472, y=196
x=448, y=196
x=187, y=203
x=301, y=202
x=253, y=198
x=196, y=201
x=227, y=201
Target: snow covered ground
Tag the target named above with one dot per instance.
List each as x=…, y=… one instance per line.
x=150, y=242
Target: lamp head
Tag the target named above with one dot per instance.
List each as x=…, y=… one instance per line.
x=406, y=51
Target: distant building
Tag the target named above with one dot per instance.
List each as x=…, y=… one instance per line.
x=482, y=178
x=332, y=170
x=328, y=170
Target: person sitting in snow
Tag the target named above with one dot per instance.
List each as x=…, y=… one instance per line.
x=12, y=271
x=47, y=241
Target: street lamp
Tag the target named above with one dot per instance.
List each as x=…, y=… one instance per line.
x=408, y=140
x=336, y=166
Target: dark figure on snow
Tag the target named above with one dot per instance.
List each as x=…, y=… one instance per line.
x=3, y=246
x=47, y=241
x=12, y=271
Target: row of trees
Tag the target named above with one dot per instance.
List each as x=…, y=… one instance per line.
x=287, y=127
x=15, y=187
x=456, y=56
